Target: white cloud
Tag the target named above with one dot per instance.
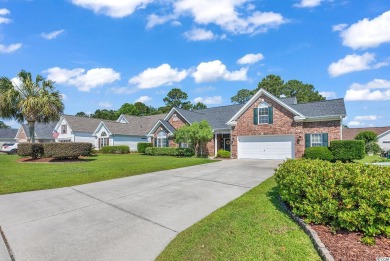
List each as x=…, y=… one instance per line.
x=368, y=33
x=10, y=48
x=354, y=63
x=215, y=70
x=64, y=96
x=339, y=27
x=81, y=79
x=154, y=20
x=123, y=90
x=143, y=99
x=199, y=34
x=329, y=95
x=4, y=20
x=354, y=123
x=308, y=3
x=52, y=35
x=250, y=58
x=224, y=13
x=115, y=8
x=155, y=77
x=375, y=90
x=367, y=118
x=4, y=11
x=209, y=100
x=105, y=104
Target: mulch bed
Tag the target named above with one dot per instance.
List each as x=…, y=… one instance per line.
x=346, y=245
x=52, y=160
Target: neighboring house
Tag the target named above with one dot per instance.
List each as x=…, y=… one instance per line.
x=266, y=127
x=76, y=129
x=382, y=132
x=43, y=132
x=7, y=135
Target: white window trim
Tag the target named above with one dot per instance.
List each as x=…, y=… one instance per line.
x=311, y=139
x=161, y=140
x=262, y=105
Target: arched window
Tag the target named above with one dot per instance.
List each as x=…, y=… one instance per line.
x=103, y=134
x=162, y=139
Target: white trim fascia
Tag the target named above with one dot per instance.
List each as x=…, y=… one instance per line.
x=150, y=133
x=122, y=116
x=59, y=122
x=383, y=134
x=99, y=127
x=254, y=98
x=315, y=119
x=171, y=112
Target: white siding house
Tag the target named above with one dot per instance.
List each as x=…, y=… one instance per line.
x=384, y=140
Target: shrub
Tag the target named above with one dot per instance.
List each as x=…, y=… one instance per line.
x=168, y=151
x=322, y=153
x=115, y=150
x=367, y=136
x=71, y=150
x=141, y=146
x=33, y=150
x=351, y=196
x=347, y=150
x=223, y=154
x=373, y=147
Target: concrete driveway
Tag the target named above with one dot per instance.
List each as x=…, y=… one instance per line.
x=131, y=218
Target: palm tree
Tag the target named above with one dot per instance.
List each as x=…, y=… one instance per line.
x=26, y=100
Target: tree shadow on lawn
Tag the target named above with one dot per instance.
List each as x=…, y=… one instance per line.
x=54, y=160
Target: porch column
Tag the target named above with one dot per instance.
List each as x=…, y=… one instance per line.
x=215, y=144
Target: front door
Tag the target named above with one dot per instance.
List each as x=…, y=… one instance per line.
x=226, y=144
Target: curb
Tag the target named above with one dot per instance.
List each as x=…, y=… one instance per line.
x=318, y=245
x=5, y=251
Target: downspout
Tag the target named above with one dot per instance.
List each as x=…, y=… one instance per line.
x=341, y=128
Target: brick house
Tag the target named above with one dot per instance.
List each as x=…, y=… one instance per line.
x=266, y=127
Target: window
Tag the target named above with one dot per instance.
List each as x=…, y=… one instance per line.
x=316, y=140
x=386, y=141
x=103, y=134
x=263, y=114
x=184, y=145
x=162, y=140
x=64, y=140
x=103, y=142
x=64, y=129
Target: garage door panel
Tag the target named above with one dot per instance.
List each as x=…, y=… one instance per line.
x=266, y=147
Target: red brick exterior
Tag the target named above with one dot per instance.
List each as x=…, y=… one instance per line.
x=176, y=121
x=283, y=124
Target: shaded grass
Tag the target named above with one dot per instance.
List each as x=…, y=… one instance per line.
x=252, y=227
x=18, y=177
x=371, y=159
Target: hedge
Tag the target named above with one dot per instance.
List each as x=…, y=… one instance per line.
x=351, y=196
x=115, y=150
x=347, y=150
x=223, y=154
x=168, y=151
x=33, y=150
x=141, y=146
x=322, y=153
x=67, y=150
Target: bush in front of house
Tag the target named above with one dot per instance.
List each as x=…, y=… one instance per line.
x=373, y=147
x=223, y=154
x=322, y=153
x=33, y=150
x=347, y=150
x=71, y=150
x=115, y=150
x=168, y=151
x=141, y=146
x=350, y=196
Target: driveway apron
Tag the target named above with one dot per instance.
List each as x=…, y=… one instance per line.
x=131, y=218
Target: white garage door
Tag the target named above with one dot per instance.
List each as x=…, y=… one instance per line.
x=265, y=147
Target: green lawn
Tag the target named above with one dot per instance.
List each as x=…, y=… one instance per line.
x=371, y=159
x=252, y=227
x=18, y=177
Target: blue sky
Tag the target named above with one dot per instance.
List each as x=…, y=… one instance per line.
x=103, y=53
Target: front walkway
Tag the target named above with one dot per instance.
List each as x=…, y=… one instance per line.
x=132, y=218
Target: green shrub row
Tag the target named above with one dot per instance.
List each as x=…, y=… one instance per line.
x=355, y=197
x=322, y=153
x=141, y=146
x=168, y=151
x=342, y=150
x=71, y=150
x=223, y=154
x=115, y=150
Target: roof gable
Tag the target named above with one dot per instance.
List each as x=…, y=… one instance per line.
x=164, y=123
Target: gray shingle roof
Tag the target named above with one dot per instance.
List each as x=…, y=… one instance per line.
x=321, y=108
x=82, y=124
x=289, y=100
x=350, y=133
x=143, y=124
x=217, y=117
x=168, y=126
x=42, y=130
x=8, y=133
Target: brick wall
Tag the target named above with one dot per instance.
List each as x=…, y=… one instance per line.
x=283, y=124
